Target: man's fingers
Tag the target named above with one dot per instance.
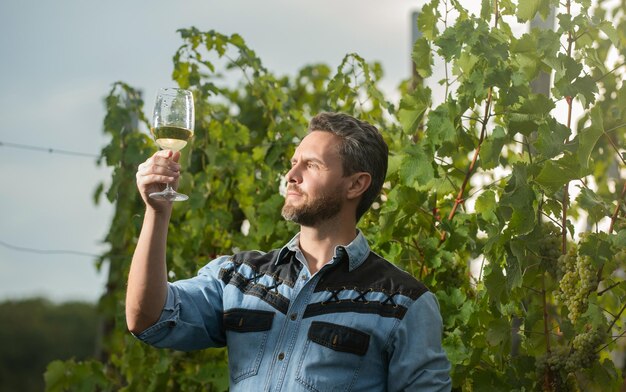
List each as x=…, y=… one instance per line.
x=152, y=175
x=150, y=172
x=160, y=169
x=155, y=179
x=168, y=154
x=165, y=162
x=156, y=171
x=164, y=153
x=158, y=165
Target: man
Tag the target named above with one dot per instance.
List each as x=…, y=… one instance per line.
x=322, y=313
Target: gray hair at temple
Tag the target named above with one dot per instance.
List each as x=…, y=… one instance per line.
x=362, y=149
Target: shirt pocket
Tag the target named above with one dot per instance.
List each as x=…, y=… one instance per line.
x=332, y=357
x=246, y=336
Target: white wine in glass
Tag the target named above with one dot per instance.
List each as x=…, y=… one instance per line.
x=172, y=127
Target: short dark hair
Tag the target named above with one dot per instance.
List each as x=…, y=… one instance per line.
x=362, y=149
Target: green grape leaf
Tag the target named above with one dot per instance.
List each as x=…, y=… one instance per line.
x=412, y=109
x=520, y=198
x=485, y=9
x=551, y=138
x=589, y=201
x=566, y=70
x=97, y=194
x=555, y=174
x=455, y=348
x=607, y=28
x=416, y=167
x=459, y=310
x=453, y=298
x=499, y=332
x=592, y=58
x=55, y=376
x=565, y=22
x=466, y=62
x=526, y=10
x=427, y=20
x=495, y=282
x=410, y=200
x=586, y=89
x=507, y=7
x=619, y=239
x=605, y=374
x=594, y=314
x=394, y=164
x=514, y=263
x=552, y=206
x=237, y=40
x=449, y=44
x=486, y=206
x=422, y=56
x=492, y=148
x=588, y=137
x=598, y=247
x=532, y=111
x=440, y=127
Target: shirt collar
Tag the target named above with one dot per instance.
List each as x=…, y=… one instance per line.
x=356, y=251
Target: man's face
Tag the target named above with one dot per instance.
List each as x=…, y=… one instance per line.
x=316, y=186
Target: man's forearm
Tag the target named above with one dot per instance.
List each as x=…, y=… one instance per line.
x=147, y=281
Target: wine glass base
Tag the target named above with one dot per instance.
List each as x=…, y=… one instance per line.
x=168, y=196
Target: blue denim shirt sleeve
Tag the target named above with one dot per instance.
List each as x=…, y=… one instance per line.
x=192, y=316
x=417, y=361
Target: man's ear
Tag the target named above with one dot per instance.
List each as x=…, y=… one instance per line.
x=359, y=183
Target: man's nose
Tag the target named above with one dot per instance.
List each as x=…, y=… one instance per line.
x=293, y=175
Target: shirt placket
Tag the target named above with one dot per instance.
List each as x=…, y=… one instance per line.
x=290, y=331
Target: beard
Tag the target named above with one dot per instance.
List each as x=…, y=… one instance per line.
x=313, y=211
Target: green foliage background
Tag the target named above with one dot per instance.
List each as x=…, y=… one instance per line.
x=485, y=176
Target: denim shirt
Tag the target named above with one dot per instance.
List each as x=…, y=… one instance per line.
x=358, y=324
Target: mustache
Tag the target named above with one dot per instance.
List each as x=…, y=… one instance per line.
x=294, y=188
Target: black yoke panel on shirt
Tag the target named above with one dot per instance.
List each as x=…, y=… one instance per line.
x=375, y=274
x=286, y=271
x=263, y=264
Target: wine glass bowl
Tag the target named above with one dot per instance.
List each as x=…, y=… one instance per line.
x=172, y=127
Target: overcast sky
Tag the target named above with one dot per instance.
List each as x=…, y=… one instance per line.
x=59, y=59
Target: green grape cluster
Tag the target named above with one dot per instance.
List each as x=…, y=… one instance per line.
x=563, y=361
x=579, y=278
x=553, y=362
x=550, y=247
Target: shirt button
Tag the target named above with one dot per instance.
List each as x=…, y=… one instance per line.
x=293, y=316
x=305, y=278
x=281, y=356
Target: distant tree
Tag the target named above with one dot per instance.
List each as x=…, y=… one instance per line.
x=34, y=332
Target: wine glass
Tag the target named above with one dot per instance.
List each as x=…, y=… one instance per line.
x=172, y=127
